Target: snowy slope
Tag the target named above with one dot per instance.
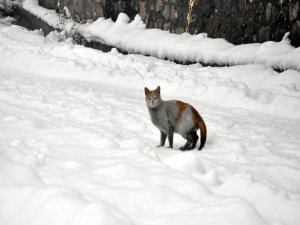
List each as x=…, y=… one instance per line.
x=133, y=37
x=77, y=145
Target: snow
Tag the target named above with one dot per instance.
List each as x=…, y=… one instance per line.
x=133, y=37
x=7, y=20
x=77, y=145
x=49, y=16
x=67, y=11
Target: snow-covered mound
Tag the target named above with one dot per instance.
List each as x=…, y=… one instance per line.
x=133, y=37
x=77, y=145
x=251, y=87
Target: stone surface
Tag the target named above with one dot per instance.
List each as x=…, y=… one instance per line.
x=159, y=5
x=143, y=10
x=49, y=4
x=174, y=14
x=269, y=11
x=264, y=33
x=166, y=12
x=293, y=10
x=167, y=26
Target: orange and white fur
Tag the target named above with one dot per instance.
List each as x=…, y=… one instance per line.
x=175, y=116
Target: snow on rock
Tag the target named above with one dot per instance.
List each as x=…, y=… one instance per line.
x=7, y=20
x=47, y=15
x=133, y=37
x=194, y=48
x=77, y=145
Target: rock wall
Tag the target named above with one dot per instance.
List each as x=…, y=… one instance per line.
x=82, y=10
x=244, y=21
x=238, y=21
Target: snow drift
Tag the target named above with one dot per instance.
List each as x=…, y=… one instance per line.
x=133, y=37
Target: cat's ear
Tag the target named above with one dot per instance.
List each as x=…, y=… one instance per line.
x=146, y=91
x=158, y=90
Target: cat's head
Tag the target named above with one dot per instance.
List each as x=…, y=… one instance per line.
x=153, y=98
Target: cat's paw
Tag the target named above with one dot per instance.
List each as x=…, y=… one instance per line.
x=183, y=148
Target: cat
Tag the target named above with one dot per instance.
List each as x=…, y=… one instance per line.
x=175, y=116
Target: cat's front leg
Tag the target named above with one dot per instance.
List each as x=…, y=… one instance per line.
x=163, y=138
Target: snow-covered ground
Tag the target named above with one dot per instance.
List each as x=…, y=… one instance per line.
x=77, y=145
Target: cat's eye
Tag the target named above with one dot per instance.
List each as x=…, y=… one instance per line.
x=155, y=98
x=149, y=98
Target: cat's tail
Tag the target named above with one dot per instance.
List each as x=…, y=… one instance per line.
x=203, y=132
